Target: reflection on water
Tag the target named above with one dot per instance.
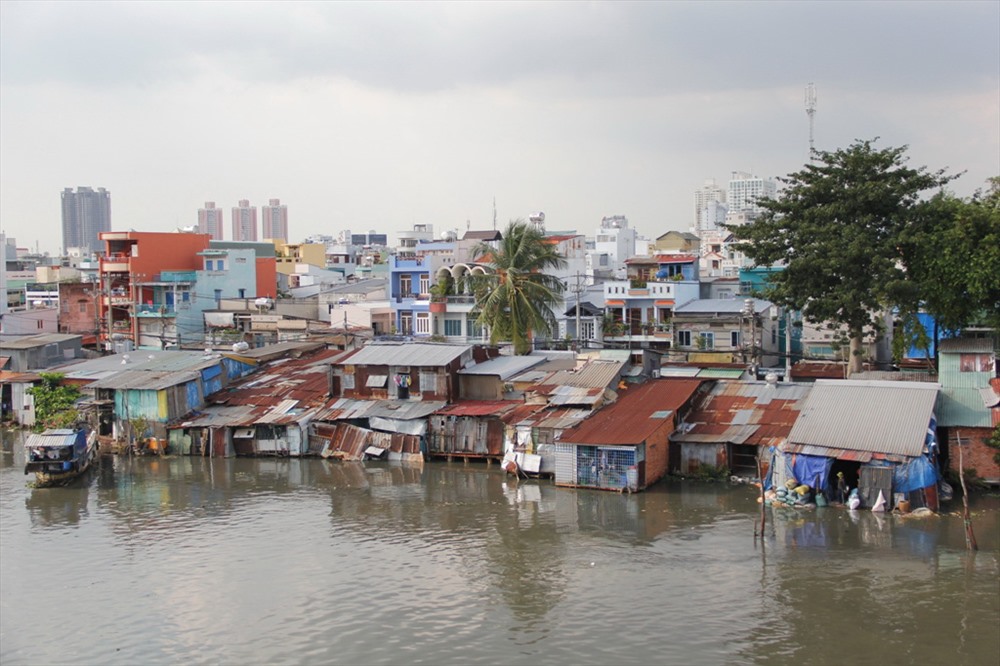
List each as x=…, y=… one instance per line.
x=312, y=561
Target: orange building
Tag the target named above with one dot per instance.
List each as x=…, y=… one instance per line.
x=131, y=259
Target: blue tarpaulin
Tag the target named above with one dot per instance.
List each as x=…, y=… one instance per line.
x=914, y=475
x=807, y=469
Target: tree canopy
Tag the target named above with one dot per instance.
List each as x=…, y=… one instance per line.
x=953, y=255
x=839, y=227
x=516, y=299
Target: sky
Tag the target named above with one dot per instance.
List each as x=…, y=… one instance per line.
x=382, y=115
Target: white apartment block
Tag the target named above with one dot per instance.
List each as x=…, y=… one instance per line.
x=745, y=190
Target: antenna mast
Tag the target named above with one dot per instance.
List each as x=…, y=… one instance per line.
x=494, y=213
x=811, y=112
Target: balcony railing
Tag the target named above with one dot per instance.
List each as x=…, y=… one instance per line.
x=147, y=310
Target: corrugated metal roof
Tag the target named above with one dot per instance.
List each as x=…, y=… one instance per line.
x=32, y=341
x=755, y=413
x=679, y=371
x=55, y=437
x=576, y=395
x=347, y=408
x=960, y=406
x=871, y=416
x=140, y=380
x=894, y=376
x=478, y=407
x=965, y=346
x=594, y=374
x=504, y=366
x=721, y=373
x=628, y=420
x=559, y=418
x=989, y=396
x=415, y=354
x=731, y=434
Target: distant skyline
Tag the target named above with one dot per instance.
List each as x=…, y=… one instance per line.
x=382, y=115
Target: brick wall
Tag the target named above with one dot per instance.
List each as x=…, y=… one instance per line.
x=657, y=448
x=976, y=453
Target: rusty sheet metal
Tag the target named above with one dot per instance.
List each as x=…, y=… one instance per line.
x=519, y=413
x=633, y=418
x=478, y=407
x=343, y=441
x=465, y=435
x=840, y=454
x=574, y=395
x=349, y=408
x=217, y=417
x=594, y=374
x=729, y=434
x=767, y=411
x=560, y=418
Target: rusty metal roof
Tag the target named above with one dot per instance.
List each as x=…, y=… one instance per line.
x=639, y=411
x=347, y=408
x=866, y=416
x=504, y=367
x=559, y=418
x=754, y=413
x=479, y=408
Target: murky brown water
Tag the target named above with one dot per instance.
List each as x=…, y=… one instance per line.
x=187, y=560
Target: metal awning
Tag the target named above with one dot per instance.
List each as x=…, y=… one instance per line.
x=376, y=381
x=243, y=433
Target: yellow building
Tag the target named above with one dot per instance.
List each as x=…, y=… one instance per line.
x=288, y=255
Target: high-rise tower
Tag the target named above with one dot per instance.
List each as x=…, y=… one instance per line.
x=210, y=220
x=745, y=190
x=85, y=214
x=275, y=219
x=244, y=221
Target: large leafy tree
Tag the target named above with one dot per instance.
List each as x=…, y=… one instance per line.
x=837, y=228
x=953, y=258
x=516, y=299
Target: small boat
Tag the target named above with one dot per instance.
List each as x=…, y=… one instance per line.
x=59, y=455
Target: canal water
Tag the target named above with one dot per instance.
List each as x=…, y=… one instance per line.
x=278, y=561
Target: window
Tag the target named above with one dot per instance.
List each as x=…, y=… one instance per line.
x=453, y=327
x=474, y=328
x=425, y=284
x=734, y=338
x=975, y=363
x=683, y=338
x=707, y=340
x=242, y=293
x=586, y=330
x=423, y=323
x=218, y=294
x=208, y=264
x=405, y=285
x=83, y=306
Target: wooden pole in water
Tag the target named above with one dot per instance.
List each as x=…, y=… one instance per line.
x=763, y=514
x=970, y=538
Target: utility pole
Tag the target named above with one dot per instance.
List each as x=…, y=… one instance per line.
x=788, y=345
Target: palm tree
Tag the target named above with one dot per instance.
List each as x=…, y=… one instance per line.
x=516, y=299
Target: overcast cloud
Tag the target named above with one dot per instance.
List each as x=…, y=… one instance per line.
x=381, y=115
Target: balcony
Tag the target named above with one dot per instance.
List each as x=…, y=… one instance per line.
x=154, y=310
